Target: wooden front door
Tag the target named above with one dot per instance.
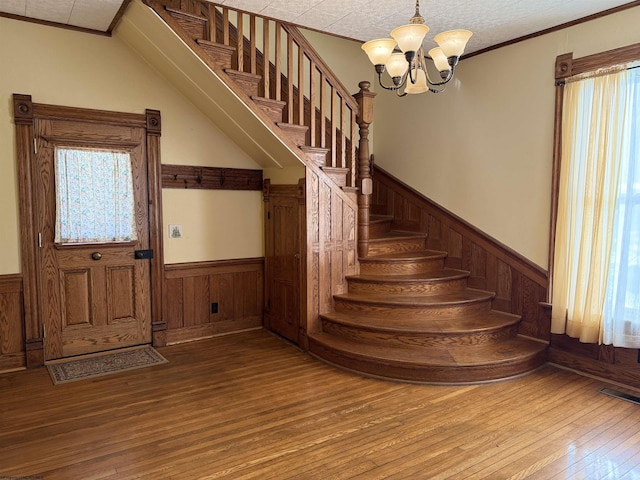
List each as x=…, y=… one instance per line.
x=283, y=259
x=95, y=295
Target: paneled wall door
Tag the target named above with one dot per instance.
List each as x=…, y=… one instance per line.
x=284, y=227
x=91, y=215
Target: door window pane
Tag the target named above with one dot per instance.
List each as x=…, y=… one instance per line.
x=94, y=196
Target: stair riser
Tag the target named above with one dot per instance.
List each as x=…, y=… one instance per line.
x=395, y=245
x=415, y=288
x=401, y=268
x=337, y=175
x=417, y=339
x=297, y=136
x=274, y=111
x=193, y=26
x=377, y=229
x=318, y=158
x=454, y=374
x=247, y=85
x=218, y=56
x=422, y=311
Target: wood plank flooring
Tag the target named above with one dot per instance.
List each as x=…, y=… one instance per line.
x=249, y=406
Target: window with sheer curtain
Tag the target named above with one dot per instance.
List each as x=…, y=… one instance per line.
x=94, y=196
x=596, y=272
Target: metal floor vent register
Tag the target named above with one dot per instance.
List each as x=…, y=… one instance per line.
x=621, y=395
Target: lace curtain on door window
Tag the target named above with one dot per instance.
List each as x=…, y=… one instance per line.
x=94, y=196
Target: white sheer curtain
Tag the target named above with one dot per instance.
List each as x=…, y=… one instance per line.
x=94, y=196
x=597, y=232
x=622, y=303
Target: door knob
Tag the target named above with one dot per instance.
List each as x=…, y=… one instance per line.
x=297, y=256
x=96, y=255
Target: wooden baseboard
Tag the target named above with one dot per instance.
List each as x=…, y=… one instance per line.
x=200, y=332
x=623, y=374
x=12, y=361
x=12, y=345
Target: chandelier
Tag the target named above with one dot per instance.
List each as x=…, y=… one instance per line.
x=411, y=64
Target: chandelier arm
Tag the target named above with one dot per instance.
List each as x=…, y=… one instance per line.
x=433, y=90
x=394, y=88
x=446, y=79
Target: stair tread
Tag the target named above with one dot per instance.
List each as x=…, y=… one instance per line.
x=238, y=73
x=397, y=235
x=491, y=320
x=271, y=101
x=467, y=295
x=437, y=275
x=379, y=218
x=221, y=46
x=507, y=351
x=307, y=148
x=193, y=16
x=404, y=256
x=292, y=126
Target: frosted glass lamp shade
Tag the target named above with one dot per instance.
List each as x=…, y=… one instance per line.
x=421, y=82
x=397, y=65
x=453, y=42
x=379, y=50
x=439, y=59
x=409, y=37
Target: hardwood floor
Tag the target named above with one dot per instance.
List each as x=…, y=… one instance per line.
x=249, y=406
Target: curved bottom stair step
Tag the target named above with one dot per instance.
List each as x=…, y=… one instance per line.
x=403, y=263
x=491, y=327
x=447, y=365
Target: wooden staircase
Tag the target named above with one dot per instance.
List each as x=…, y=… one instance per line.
x=273, y=69
x=404, y=316
x=408, y=317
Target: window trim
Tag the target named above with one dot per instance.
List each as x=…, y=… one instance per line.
x=566, y=66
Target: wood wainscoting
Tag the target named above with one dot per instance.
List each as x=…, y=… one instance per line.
x=519, y=285
x=331, y=249
x=12, y=346
x=203, y=299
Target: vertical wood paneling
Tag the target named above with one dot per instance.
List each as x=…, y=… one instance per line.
x=174, y=310
x=12, y=341
x=237, y=287
x=331, y=245
x=226, y=301
x=454, y=245
x=214, y=292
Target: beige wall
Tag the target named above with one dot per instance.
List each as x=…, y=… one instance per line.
x=63, y=67
x=345, y=57
x=483, y=148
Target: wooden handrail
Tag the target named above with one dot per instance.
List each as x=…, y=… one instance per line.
x=322, y=66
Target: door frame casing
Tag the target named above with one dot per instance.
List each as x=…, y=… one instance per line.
x=25, y=113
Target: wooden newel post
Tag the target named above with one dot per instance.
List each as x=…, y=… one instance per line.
x=364, y=118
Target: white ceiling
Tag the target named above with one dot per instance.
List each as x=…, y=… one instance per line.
x=91, y=14
x=492, y=21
